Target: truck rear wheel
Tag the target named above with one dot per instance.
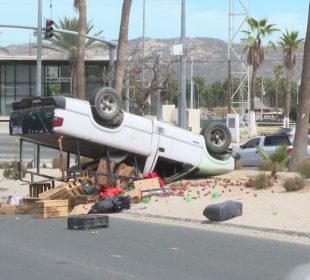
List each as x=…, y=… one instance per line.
x=105, y=103
x=217, y=137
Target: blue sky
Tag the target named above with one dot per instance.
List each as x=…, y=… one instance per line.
x=204, y=18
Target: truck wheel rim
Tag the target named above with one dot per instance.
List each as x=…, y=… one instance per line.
x=108, y=104
x=218, y=137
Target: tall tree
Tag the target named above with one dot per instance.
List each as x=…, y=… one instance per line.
x=301, y=140
x=68, y=43
x=277, y=71
x=289, y=42
x=122, y=47
x=255, y=51
x=80, y=5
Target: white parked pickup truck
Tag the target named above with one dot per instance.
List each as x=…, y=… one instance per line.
x=96, y=127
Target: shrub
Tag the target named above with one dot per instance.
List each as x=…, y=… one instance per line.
x=275, y=162
x=294, y=184
x=262, y=181
x=8, y=172
x=11, y=170
x=304, y=168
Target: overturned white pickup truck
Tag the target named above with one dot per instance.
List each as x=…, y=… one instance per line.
x=96, y=127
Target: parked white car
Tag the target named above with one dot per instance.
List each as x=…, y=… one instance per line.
x=99, y=127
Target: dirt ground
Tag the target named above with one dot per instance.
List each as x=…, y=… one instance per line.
x=271, y=208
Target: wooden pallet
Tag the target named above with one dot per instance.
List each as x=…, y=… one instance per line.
x=81, y=199
x=63, y=192
x=50, y=209
x=81, y=209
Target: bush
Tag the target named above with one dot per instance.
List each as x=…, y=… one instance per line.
x=294, y=184
x=11, y=170
x=304, y=168
x=262, y=181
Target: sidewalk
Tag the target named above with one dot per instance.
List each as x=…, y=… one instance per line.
x=269, y=212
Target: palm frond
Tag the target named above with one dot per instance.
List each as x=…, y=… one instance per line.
x=264, y=155
x=280, y=155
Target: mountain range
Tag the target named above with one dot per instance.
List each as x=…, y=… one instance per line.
x=209, y=56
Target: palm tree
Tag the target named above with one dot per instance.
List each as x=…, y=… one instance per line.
x=69, y=43
x=80, y=5
x=290, y=43
x=255, y=57
x=122, y=47
x=302, y=123
x=277, y=71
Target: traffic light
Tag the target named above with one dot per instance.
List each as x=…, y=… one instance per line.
x=49, y=28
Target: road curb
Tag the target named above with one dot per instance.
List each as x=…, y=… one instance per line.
x=290, y=233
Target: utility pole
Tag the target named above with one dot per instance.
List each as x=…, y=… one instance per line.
x=39, y=50
x=159, y=112
x=182, y=119
x=192, y=84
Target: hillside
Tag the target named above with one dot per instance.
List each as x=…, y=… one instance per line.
x=209, y=55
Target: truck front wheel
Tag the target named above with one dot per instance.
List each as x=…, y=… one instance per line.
x=217, y=137
x=105, y=103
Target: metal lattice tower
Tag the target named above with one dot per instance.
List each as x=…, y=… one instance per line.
x=238, y=70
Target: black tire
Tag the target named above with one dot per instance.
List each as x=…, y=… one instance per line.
x=217, y=137
x=105, y=103
x=116, y=121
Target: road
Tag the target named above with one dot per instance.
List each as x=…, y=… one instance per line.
x=9, y=150
x=44, y=249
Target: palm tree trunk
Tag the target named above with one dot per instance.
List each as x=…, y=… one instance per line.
x=81, y=93
x=286, y=119
x=252, y=121
x=73, y=79
x=122, y=47
x=301, y=139
x=277, y=96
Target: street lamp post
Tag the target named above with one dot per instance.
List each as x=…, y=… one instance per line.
x=182, y=119
x=39, y=50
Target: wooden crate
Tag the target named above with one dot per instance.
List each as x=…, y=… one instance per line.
x=142, y=186
x=50, y=209
x=124, y=170
x=7, y=209
x=36, y=188
x=103, y=167
x=27, y=205
x=147, y=184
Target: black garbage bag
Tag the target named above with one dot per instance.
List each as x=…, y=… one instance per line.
x=223, y=211
x=111, y=204
x=90, y=189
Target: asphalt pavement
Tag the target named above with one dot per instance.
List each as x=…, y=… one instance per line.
x=39, y=249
